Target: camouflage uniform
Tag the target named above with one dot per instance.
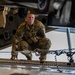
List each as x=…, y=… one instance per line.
x=29, y=38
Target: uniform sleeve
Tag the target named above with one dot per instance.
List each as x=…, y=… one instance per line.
x=19, y=33
x=41, y=32
x=16, y=39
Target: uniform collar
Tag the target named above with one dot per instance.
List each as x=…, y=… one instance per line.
x=30, y=27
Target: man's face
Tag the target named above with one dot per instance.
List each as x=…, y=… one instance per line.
x=30, y=19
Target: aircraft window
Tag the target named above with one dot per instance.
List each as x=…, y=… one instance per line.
x=14, y=31
x=10, y=18
x=6, y=35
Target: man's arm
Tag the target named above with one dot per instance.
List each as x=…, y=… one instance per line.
x=16, y=39
x=41, y=31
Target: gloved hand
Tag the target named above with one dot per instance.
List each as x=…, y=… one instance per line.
x=26, y=52
x=13, y=57
x=37, y=50
x=33, y=39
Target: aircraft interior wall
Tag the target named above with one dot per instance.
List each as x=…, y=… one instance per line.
x=12, y=23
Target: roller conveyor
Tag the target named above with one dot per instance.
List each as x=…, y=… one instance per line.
x=35, y=62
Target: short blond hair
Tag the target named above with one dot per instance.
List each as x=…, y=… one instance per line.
x=30, y=12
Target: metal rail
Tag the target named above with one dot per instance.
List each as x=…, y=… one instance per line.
x=57, y=52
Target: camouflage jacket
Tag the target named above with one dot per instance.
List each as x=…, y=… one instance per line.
x=30, y=33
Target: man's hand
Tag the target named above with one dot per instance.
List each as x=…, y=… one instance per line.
x=13, y=57
x=26, y=52
x=33, y=39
